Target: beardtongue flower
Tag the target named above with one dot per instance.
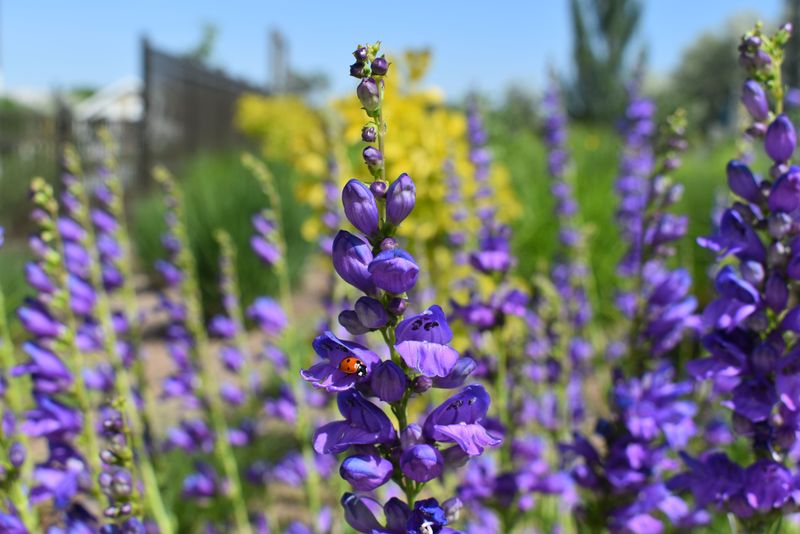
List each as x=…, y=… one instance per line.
x=422, y=342
x=328, y=374
x=366, y=472
x=364, y=424
x=394, y=271
x=458, y=420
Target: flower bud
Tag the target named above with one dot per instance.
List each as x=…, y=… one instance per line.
x=349, y=320
x=397, y=306
x=360, y=53
x=785, y=193
x=357, y=70
x=369, y=134
x=755, y=100
x=780, y=139
x=394, y=271
x=779, y=225
x=400, y=199
x=422, y=463
x=422, y=384
x=372, y=157
x=776, y=294
x=16, y=454
x=371, y=313
x=360, y=207
x=378, y=188
x=365, y=472
x=742, y=182
x=369, y=94
x=380, y=66
x=388, y=381
x=388, y=243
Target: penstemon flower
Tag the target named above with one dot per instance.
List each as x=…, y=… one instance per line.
x=408, y=454
x=751, y=325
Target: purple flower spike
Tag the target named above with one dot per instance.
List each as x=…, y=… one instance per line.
x=780, y=139
x=328, y=374
x=755, y=100
x=360, y=207
x=366, y=472
x=400, y=199
x=458, y=420
x=422, y=463
x=363, y=424
x=351, y=258
x=394, y=270
x=388, y=381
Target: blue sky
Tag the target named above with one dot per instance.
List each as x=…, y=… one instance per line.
x=477, y=45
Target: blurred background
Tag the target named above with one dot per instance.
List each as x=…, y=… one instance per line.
x=189, y=85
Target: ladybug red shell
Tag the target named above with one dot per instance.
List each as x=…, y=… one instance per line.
x=353, y=366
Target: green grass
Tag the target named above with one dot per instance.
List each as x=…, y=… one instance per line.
x=221, y=194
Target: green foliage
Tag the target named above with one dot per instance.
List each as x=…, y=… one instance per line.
x=595, y=153
x=221, y=194
x=602, y=35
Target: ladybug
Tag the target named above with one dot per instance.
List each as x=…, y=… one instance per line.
x=353, y=366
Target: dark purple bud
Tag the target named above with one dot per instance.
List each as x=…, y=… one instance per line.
x=360, y=207
x=365, y=472
x=349, y=320
x=397, y=306
x=388, y=381
x=372, y=157
x=380, y=66
x=779, y=224
x=752, y=272
x=776, y=293
x=764, y=359
x=400, y=199
x=357, y=70
x=371, y=313
x=369, y=94
x=756, y=130
x=361, y=53
x=369, y=134
x=422, y=384
x=378, y=188
x=742, y=182
x=352, y=257
x=422, y=463
x=780, y=139
x=394, y=271
x=755, y=100
x=388, y=243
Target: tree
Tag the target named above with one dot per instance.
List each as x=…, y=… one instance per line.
x=602, y=31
